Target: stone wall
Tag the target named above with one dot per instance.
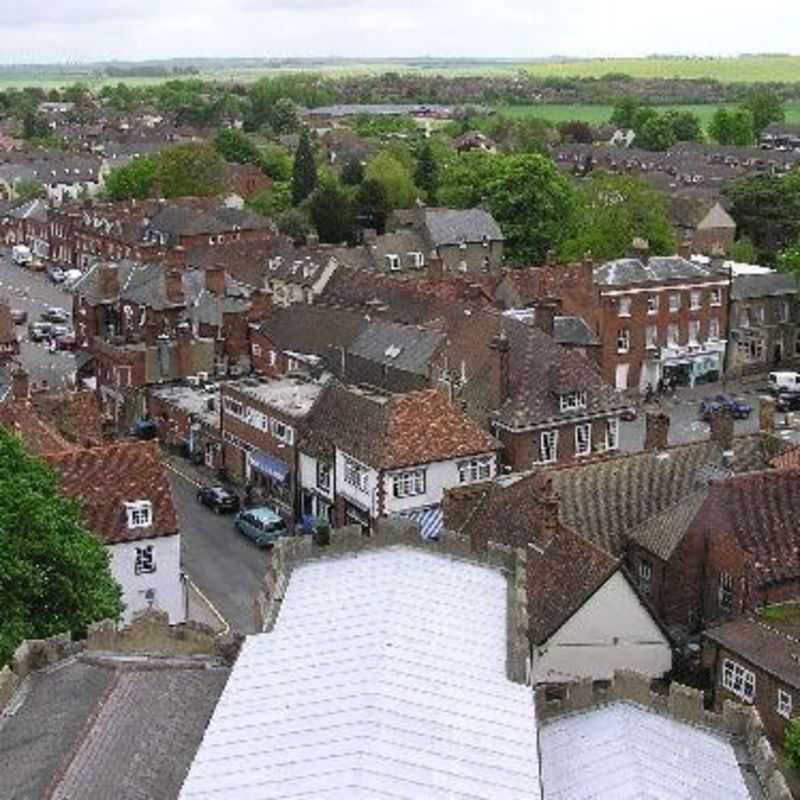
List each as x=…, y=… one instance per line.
x=149, y=634
x=288, y=553
x=742, y=724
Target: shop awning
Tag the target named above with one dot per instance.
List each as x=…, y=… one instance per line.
x=269, y=465
x=429, y=521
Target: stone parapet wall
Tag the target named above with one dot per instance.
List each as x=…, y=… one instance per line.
x=293, y=551
x=742, y=724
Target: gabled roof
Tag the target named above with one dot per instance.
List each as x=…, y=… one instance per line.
x=396, y=689
x=391, y=432
x=402, y=347
x=105, y=478
x=447, y=226
x=765, y=285
x=763, y=645
x=20, y=418
x=183, y=220
x=717, y=217
x=657, y=269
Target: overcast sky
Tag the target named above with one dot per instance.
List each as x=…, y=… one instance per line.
x=84, y=30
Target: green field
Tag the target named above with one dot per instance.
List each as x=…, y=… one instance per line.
x=596, y=115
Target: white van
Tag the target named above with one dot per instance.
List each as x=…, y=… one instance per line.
x=784, y=382
x=21, y=254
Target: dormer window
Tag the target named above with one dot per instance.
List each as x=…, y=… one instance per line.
x=393, y=262
x=572, y=401
x=140, y=514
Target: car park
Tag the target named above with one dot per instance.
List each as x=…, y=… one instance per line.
x=261, y=524
x=739, y=409
x=218, y=499
x=19, y=316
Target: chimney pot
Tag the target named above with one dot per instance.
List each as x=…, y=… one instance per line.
x=722, y=427
x=656, y=430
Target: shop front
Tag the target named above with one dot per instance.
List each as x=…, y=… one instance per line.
x=693, y=364
x=271, y=478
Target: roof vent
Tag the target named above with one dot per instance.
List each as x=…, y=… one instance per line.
x=393, y=351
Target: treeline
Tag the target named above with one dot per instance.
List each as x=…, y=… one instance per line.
x=149, y=71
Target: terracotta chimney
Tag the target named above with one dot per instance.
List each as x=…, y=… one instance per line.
x=108, y=281
x=685, y=249
x=766, y=414
x=502, y=347
x=215, y=280
x=656, y=430
x=549, y=502
x=20, y=385
x=435, y=268
x=174, y=286
x=546, y=311
x=722, y=427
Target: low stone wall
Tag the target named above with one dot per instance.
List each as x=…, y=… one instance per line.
x=288, y=553
x=149, y=634
x=741, y=723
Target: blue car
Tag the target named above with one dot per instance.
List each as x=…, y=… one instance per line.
x=261, y=524
x=739, y=409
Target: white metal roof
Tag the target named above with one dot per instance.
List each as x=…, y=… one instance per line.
x=384, y=677
x=623, y=752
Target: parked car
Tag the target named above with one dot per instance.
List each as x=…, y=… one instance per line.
x=64, y=340
x=54, y=314
x=787, y=401
x=218, y=499
x=55, y=273
x=739, y=409
x=39, y=331
x=21, y=254
x=19, y=316
x=261, y=524
x=784, y=382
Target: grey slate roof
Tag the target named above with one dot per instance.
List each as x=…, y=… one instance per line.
x=574, y=331
x=770, y=284
x=402, y=347
x=181, y=220
x=657, y=269
x=446, y=226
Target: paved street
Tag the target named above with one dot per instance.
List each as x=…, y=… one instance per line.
x=226, y=566
x=32, y=291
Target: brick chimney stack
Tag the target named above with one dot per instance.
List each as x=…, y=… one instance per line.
x=722, y=427
x=108, y=281
x=215, y=280
x=174, y=287
x=656, y=430
x=549, y=502
x=20, y=385
x=435, y=268
x=502, y=347
x=260, y=306
x=546, y=311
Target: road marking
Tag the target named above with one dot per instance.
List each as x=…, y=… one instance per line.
x=225, y=626
x=183, y=475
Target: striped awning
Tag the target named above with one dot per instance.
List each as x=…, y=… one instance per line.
x=429, y=520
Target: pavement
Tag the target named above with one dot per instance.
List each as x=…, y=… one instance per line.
x=224, y=567
x=32, y=291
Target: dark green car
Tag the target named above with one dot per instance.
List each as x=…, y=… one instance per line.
x=261, y=524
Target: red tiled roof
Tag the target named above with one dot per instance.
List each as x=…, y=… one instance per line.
x=105, y=478
x=20, y=419
x=790, y=459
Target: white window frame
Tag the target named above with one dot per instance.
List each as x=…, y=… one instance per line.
x=355, y=474
x=713, y=328
x=393, y=262
x=612, y=434
x=145, y=563
x=725, y=592
x=417, y=259
x=651, y=337
x=471, y=470
x=694, y=331
x=273, y=358
x=784, y=704
x=324, y=475
x=652, y=304
x=410, y=483
x=257, y=351
x=715, y=297
x=583, y=439
x=281, y=431
x=139, y=514
x=695, y=300
x=738, y=681
x=623, y=340
x=673, y=341
x=674, y=302
x=624, y=307
x=548, y=447
x=645, y=572
x=571, y=401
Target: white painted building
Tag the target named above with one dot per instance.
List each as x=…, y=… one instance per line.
x=612, y=630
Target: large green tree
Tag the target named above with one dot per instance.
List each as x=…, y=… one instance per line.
x=331, y=211
x=54, y=574
x=612, y=210
x=135, y=180
x=235, y=146
x=765, y=105
x=395, y=178
x=732, y=126
x=372, y=205
x=304, y=172
x=193, y=169
x=426, y=175
x=656, y=133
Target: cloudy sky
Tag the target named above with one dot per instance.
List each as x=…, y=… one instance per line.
x=81, y=30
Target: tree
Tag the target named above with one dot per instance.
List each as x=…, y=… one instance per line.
x=791, y=742
x=332, y=212
x=576, y=131
x=789, y=259
x=190, y=170
x=686, y=126
x=426, y=175
x=612, y=210
x=531, y=201
x=352, y=172
x=283, y=116
x=28, y=190
x=765, y=105
x=276, y=162
x=293, y=223
x=34, y=126
x=732, y=126
x=237, y=147
x=273, y=201
x=656, y=133
x=395, y=178
x=304, y=172
x=136, y=179
x=54, y=574
x=372, y=205
x=624, y=112
x=743, y=250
